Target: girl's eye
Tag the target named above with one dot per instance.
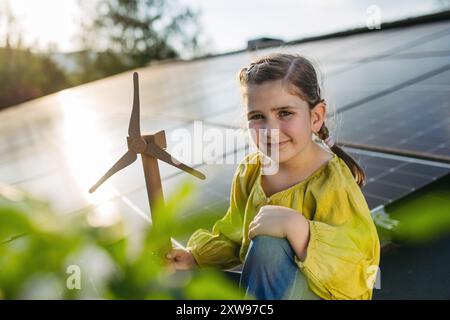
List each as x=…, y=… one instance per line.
x=256, y=117
x=284, y=113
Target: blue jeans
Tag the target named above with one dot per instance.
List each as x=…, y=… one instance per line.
x=270, y=272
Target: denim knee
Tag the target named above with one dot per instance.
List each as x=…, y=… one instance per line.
x=269, y=268
x=267, y=250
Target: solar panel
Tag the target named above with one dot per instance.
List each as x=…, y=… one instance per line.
x=391, y=178
x=353, y=87
x=412, y=121
x=397, y=45
x=439, y=44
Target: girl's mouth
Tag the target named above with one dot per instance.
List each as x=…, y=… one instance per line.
x=280, y=144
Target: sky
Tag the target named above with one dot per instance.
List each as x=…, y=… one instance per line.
x=45, y=21
x=227, y=24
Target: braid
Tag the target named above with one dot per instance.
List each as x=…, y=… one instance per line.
x=243, y=75
x=356, y=170
x=323, y=133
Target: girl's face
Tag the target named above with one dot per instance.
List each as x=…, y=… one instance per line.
x=270, y=106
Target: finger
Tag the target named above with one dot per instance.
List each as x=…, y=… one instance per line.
x=253, y=232
x=262, y=209
x=171, y=262
x=175, y=253
x=273, y=209
x=272, y=206
x=175, y=265
x=268, y=207
x=250, y=234
x=269, y=210
x=256, y=221
x=259, y=215
x=181, y=266
x=172, y=255
x=171, y=269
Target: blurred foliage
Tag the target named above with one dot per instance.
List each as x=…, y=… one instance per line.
x=423, y=215
x=96, y=65
x=25, y=75
x=124, y=34
x=37, y=247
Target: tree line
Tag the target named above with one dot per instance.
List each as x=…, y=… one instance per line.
x=115, y=35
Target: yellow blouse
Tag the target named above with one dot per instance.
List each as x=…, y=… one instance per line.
x=343, y=251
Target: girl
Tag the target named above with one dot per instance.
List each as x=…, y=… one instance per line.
x=306, y=231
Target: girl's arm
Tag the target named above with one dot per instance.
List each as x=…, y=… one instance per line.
x=297, y=233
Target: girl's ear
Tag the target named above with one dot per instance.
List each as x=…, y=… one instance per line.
x=318, y=116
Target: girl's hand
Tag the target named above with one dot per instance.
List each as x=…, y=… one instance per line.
x=272, y=221
x=181, y=259
x=282, y=222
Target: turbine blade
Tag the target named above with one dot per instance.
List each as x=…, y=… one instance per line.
x=134, y=129
x=127, y=159
x=155, y=151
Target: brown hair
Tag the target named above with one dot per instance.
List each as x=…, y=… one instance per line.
x=301, y=76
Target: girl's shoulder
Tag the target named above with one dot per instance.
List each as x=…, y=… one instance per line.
x=334, y=174
x=335, y=180
x=335, y=186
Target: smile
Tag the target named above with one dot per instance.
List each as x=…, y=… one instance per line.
x=280, y=144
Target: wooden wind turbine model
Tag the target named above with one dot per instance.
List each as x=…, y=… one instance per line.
x=151, y=148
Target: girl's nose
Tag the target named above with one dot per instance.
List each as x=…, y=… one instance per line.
x=273, y=130
x=272, y=124
x=269, y=135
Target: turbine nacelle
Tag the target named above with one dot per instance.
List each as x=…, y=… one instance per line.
x=136, y=145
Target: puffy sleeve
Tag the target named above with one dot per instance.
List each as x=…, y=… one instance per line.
x=343, y=251
x=220, y=248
